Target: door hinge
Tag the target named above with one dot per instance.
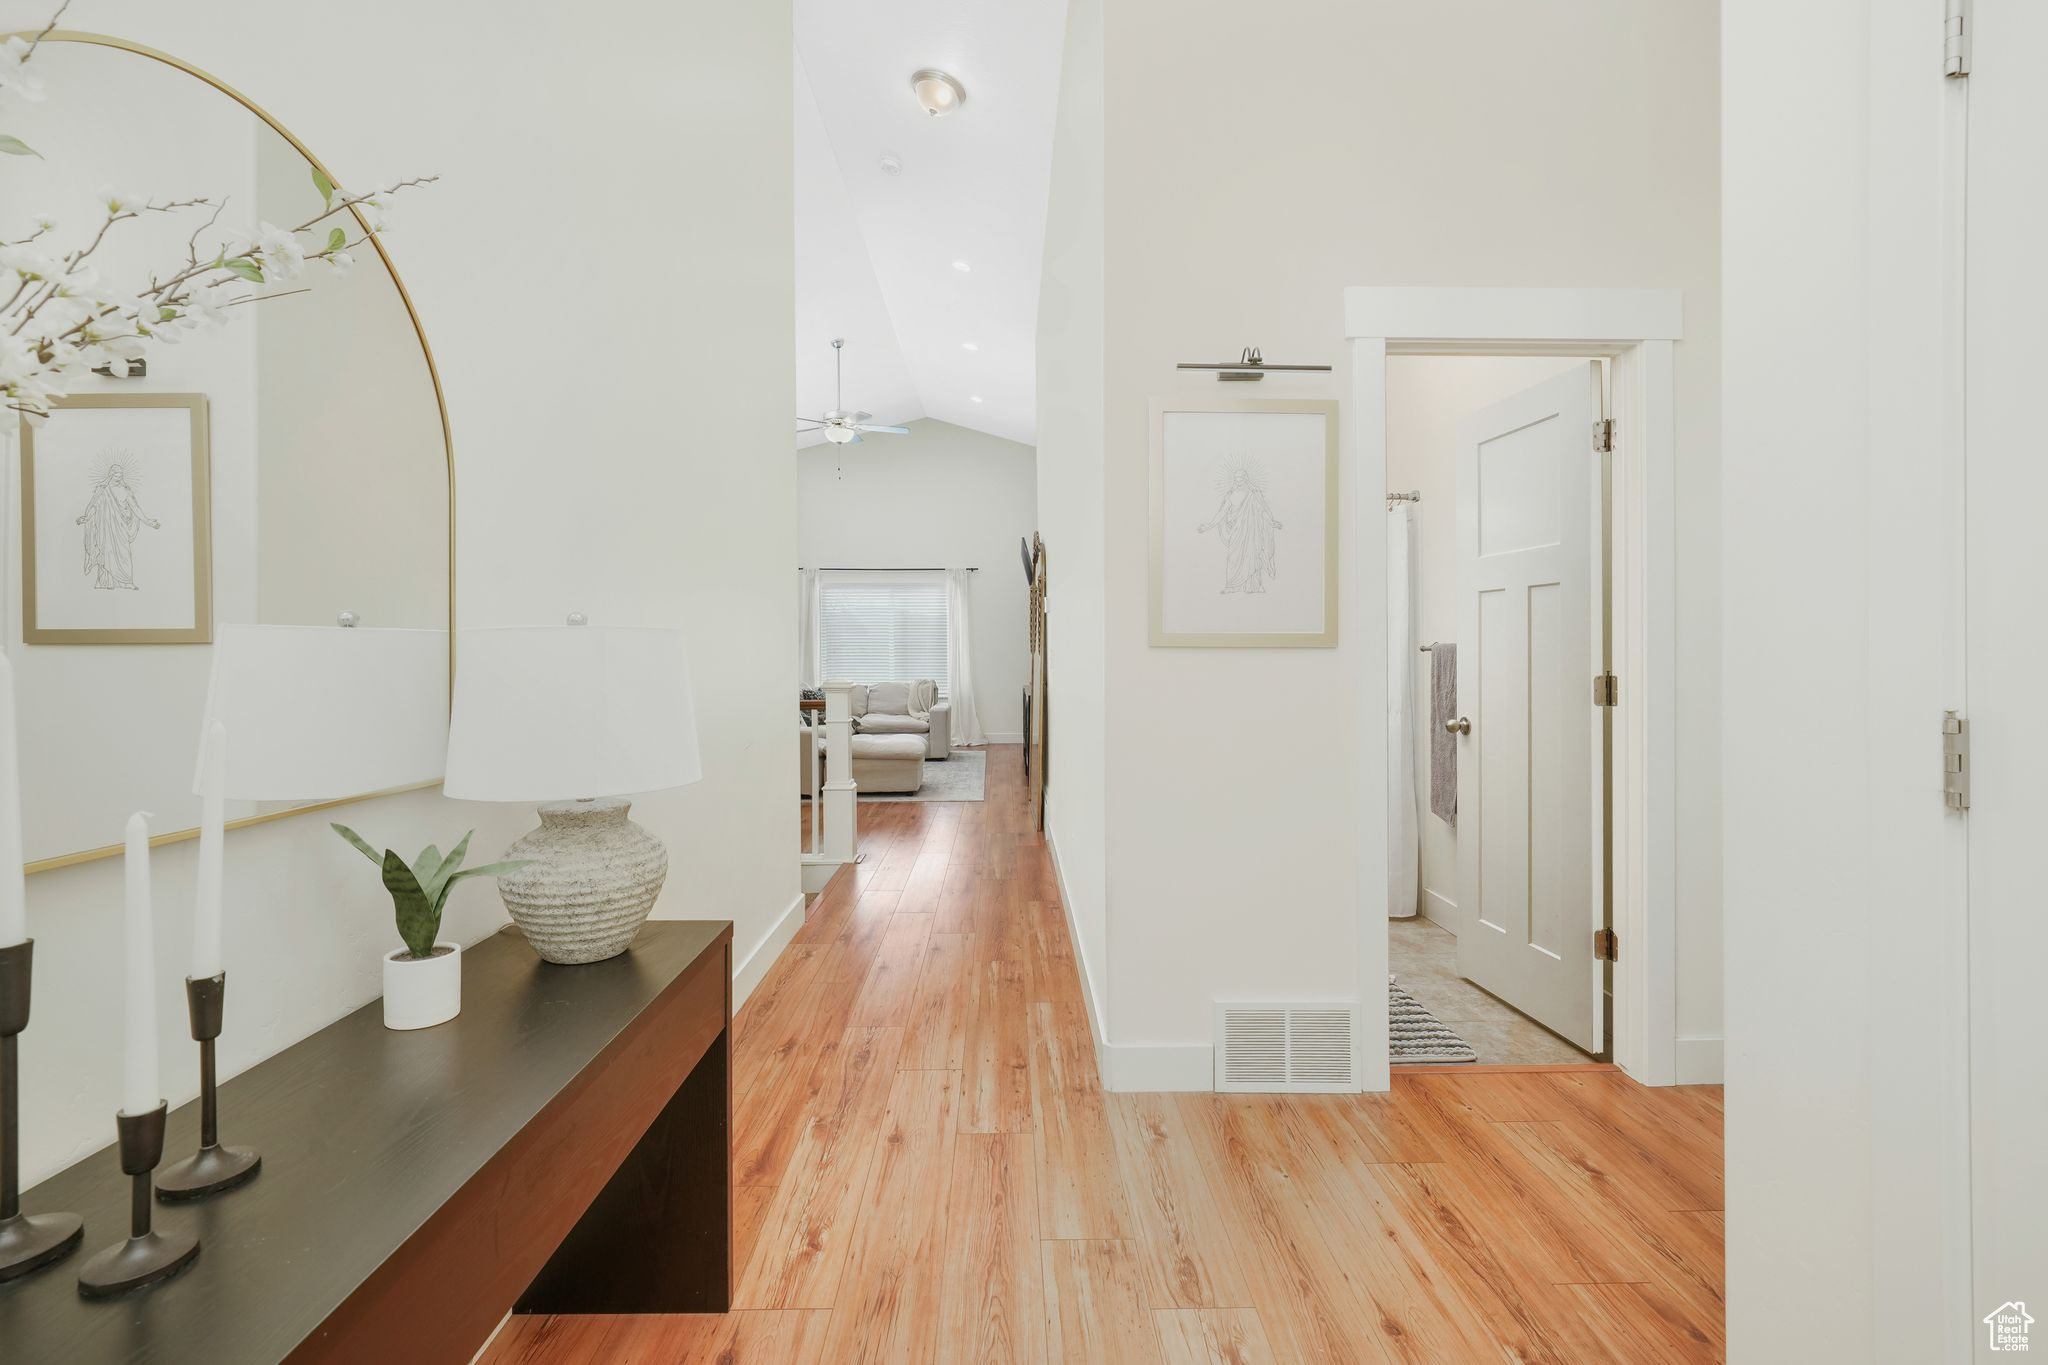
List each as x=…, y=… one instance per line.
x=1955, y=39
x=1603, y=436
x=1606, y=947
x=1606, y=690
x=1955, y=761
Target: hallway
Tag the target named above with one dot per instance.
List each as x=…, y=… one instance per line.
x=927, y=1170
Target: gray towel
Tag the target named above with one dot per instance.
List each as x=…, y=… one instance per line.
x=1443, y=745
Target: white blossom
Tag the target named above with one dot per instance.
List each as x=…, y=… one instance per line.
x=284, y=255
x=59, y=319
x=14, y=74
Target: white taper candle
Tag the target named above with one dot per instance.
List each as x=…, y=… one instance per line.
x=206, y=952
x=140, y=1092
x=13, y=893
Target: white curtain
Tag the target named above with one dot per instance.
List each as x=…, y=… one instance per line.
x=807, y=628
x=1404, y=821
x=960, y=657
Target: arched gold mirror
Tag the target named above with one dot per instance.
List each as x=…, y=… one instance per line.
x=283, y=468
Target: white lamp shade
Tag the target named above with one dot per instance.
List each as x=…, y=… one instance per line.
x=559, y=713
x=315, y=713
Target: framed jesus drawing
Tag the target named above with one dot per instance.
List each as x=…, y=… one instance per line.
x=115, y=511
x=1244, y=523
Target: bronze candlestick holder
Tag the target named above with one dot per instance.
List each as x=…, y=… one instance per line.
x=213, y=1169
x=27, y=1241
x=148, y=1256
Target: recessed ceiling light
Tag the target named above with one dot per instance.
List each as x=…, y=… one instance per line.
x=937, y=93
x=891, y=164
x=969, y=346
x=962, y=267
x=974, y=398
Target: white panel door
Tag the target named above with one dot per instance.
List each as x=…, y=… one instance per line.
x=2007, y=660
x=1529, y=855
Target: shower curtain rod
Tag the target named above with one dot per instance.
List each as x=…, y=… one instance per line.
x=876, y=568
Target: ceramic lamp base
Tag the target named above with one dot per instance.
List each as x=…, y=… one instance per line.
x=590, y=883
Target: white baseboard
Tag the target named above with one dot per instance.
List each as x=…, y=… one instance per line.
x=1440, y=910
x=1141, y=1068
x=1148, y=1068
x=1089, y=998
x=1698, y=1061
x=748, y=970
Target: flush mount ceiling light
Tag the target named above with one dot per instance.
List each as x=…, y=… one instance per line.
x=974, y=398
x=937, y=93
x=969, y=346
x=962, y=267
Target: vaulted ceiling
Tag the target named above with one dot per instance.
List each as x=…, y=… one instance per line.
x=878, y=251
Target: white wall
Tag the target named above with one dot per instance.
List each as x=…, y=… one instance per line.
x=1070, y=498
x=1428, y=400
x=1843, y=1187
x=540, y=262
x=941, y=497
x=1374, y=160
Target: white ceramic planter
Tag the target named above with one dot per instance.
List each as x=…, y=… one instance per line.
x=423, y=993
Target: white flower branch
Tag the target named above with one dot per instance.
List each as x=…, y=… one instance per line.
x=60, y=321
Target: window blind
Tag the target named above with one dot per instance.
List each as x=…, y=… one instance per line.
x=882, y=630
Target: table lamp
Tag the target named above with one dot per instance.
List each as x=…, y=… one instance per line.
x=574, y=718
x=294, y=713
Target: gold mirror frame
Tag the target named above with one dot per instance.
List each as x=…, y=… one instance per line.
x=433, y=373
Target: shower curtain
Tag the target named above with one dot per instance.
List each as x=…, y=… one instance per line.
x=1404, y=821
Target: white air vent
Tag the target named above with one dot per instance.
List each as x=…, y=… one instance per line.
x=1301, y=1048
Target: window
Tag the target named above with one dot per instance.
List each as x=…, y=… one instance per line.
x=882, y=629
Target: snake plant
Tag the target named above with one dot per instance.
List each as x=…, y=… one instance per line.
x=419, y=889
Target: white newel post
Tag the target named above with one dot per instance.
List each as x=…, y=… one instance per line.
x=839, y=793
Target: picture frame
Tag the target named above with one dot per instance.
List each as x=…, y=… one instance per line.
x=1244, y=523
x=116, y=522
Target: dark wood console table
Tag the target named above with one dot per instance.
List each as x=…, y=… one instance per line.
x=561, y=1146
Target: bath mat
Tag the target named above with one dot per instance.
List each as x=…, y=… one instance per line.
x=1416, y=1035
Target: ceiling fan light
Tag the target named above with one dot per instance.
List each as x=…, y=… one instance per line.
x=937, y=93
x=840, y=436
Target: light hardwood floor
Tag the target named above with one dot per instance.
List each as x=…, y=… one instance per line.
x=929, y=1170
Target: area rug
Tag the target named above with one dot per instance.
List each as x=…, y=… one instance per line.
x=1416, y=1035
x=963, y=777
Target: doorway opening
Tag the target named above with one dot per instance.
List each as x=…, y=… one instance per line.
x=1635, y=827
x=1497, y=609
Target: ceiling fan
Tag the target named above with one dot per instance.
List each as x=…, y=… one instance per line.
x=843, y=428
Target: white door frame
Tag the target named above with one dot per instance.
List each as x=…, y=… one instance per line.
x=1635, y=328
